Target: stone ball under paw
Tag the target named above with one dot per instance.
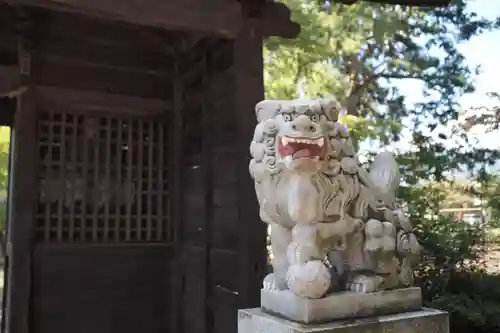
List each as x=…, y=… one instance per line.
x=309, y=280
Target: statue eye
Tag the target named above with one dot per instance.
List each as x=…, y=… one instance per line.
x=287, y=117
x=315, y=118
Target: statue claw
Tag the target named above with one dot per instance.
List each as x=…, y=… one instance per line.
x=270, y=283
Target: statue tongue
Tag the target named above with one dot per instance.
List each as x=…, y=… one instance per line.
x=302, y=153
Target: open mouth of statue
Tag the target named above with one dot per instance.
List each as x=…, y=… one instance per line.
x=302, y=147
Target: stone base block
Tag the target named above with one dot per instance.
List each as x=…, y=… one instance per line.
x=423, y=321
x=345, y=305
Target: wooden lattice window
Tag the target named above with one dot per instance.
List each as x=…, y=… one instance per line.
x=103, y=179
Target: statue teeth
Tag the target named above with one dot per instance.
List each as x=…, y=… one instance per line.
x=319, y=142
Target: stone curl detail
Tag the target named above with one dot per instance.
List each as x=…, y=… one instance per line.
x=263, y=150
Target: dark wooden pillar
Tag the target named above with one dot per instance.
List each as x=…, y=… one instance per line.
x=24, y=199
x=250, y=90
x=176, y=195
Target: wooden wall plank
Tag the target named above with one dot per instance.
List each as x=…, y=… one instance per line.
x=140, y=51
x=193, y=290
x=193, y=207
x=92, y=54
x=8, y=38
x=225, y=309
x=208, y=227
x=226, y=172
x=224, y=270
x=177, y=198
x=226, y=226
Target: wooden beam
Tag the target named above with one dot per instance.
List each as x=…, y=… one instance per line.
x=8, y=25
x=7, y=111
x=219, y=17
x=275, y=20
x=97, y=103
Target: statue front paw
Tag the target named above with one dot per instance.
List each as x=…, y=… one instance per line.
x=271, y=283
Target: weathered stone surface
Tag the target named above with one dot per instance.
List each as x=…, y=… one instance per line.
x=319, y=199
x=344, y=305
x=423, y=321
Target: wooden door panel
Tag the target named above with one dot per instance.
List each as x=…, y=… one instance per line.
x=102, y=289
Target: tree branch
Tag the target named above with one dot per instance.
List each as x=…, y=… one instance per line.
x=399, y=76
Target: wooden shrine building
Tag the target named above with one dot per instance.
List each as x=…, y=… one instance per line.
x=130, y=204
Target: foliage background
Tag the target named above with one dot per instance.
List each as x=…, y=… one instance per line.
x=4, y=173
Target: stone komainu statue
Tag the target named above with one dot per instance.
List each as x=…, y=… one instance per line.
x=334, y=225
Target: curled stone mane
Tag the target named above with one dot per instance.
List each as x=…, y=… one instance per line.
x=338, y=182
x=263, y=150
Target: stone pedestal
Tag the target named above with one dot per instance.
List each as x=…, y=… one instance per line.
x=422, y=321
x=342, y=305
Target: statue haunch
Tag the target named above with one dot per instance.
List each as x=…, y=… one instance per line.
x=334, y=225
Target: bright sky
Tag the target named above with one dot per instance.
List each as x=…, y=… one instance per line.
x=484, y=51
